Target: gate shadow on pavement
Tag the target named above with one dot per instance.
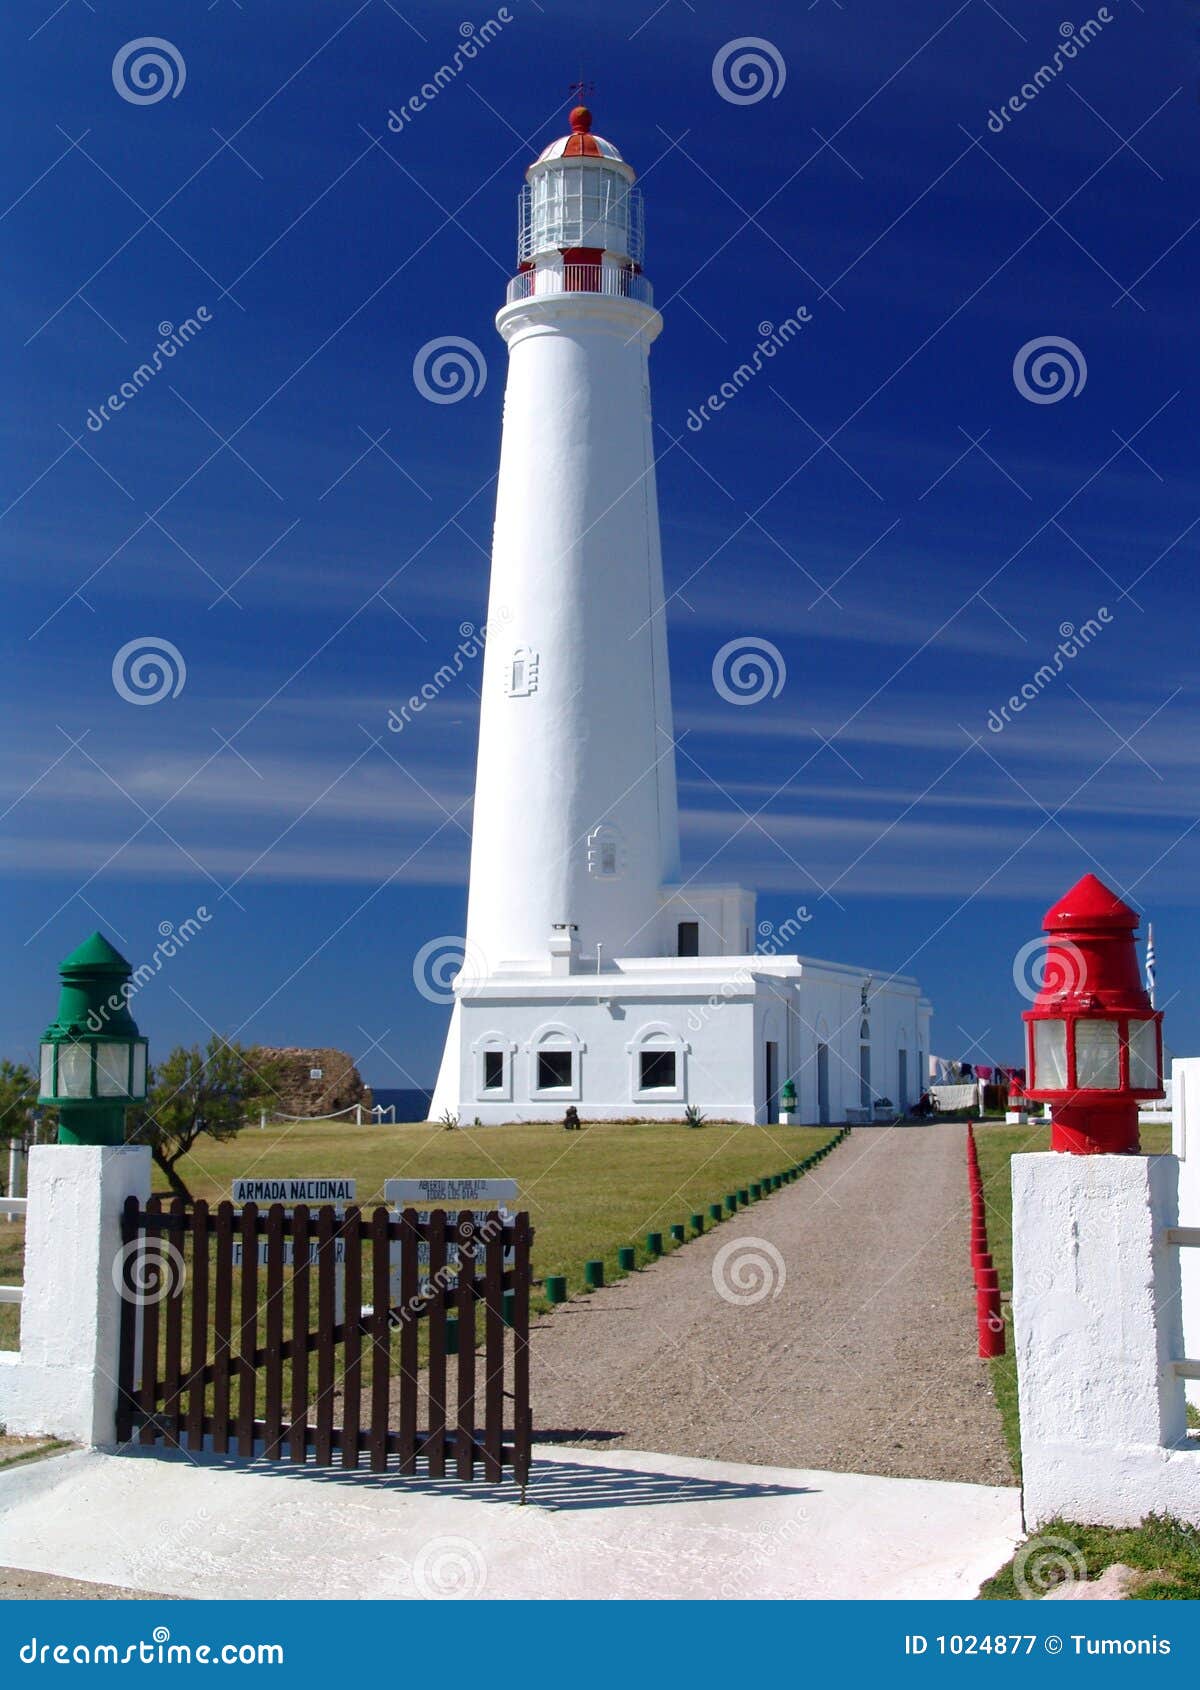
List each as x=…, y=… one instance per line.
x=556, y=1486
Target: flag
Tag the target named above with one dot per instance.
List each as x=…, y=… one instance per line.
x=1151, y=965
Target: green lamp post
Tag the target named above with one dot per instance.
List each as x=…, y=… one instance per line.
x=788, y=1105
x=93, y=1059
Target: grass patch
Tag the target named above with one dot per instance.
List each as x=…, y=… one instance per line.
x=15, y=1451
x=1168, y=1550
x=12, y=1272
x=997, y=1145
x=587, y=1193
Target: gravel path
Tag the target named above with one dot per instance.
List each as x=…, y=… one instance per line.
x=864, y=1361
x=17, y=1585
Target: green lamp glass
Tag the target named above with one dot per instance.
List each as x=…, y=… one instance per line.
x=93, y=1059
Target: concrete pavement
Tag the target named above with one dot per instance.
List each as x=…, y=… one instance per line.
x=608, y=1524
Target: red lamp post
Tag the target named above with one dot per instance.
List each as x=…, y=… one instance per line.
x=1094, y=1045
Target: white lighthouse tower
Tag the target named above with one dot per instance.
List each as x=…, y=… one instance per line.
x=585, y=961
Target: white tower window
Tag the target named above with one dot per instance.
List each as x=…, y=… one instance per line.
x=522, y=677
x=606, y=852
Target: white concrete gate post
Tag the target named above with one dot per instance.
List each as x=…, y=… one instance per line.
x=63, y=1380
x=1098, y=1330
x=1185, y=1142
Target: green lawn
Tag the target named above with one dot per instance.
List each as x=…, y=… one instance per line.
x=997, y=1145
x=587, y=1192
x=1166, y=1552
x=12, y=1264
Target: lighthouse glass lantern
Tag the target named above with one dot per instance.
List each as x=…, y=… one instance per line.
x=93, y=1059
x=1093, y=1042
x=580, y=219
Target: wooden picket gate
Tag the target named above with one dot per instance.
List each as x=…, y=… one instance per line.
x=247, y=1388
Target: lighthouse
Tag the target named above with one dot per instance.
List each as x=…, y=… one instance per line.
x=587, y=961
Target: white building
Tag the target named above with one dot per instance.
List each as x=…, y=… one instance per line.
x=592, y=975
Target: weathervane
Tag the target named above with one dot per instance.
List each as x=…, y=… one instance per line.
x=581, y=89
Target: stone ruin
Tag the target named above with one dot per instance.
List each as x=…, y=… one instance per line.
x=313, y=1082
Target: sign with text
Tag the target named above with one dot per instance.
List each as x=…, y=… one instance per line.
x=449, y=1193
x=289, y=1254
x=273, y=1189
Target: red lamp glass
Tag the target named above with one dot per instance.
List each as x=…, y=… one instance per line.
x=1093, y=1043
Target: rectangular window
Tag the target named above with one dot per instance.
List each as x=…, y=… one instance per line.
x=1143, y=1056
x=493, y=1070
x=112, y=1070
x=1096, y=1055
x=658, y=1069
x=554, y=1069
x=74, y=1070
x=688, y=938
x=1050, y=1055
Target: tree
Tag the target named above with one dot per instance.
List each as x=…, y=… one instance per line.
x=18, y=1101
x=192, y=1094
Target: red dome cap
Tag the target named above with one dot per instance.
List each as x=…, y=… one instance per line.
x=1092, y=906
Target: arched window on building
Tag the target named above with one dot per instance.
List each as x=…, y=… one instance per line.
x=492, y=1054
x=657, y=1065
x=555, y=1055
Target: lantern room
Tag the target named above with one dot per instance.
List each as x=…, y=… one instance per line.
x=579, y=202
x=1094, y=1044
x=93, y=1059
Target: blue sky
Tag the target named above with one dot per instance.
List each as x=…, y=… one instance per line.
x=882, y=503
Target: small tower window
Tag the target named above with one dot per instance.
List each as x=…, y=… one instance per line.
x=493, y=1070
x=688, y=938
x=522, y=677
x=606, y=852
